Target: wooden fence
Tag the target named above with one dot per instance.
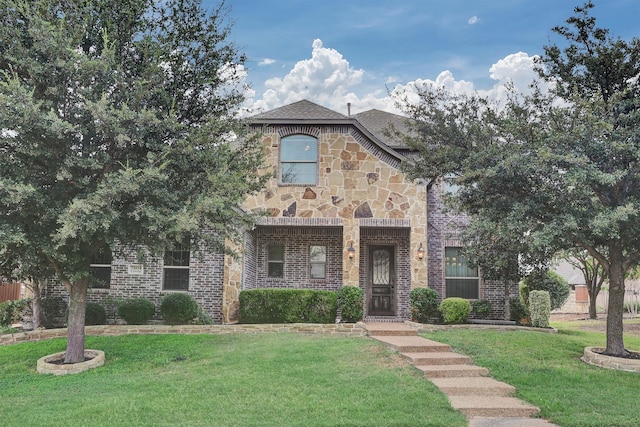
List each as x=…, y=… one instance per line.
x=9, y=291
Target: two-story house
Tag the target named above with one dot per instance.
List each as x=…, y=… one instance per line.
x=338, y=211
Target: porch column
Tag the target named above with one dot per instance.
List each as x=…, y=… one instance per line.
x=350, y=266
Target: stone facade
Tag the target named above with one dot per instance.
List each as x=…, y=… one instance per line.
x=359, y=200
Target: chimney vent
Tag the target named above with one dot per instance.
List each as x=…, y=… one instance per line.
x=349, y=109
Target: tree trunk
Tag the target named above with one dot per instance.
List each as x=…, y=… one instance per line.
x=75, y=324
x=615, y=341
x=593, y=312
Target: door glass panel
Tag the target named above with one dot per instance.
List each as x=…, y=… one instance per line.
x=381, y=267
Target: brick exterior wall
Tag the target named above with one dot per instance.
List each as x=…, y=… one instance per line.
x=205, y=282
x=296, y=242
x=443, y=229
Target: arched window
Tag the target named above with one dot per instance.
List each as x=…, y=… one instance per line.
x=299, y=160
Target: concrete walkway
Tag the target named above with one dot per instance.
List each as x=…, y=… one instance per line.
x=485, y=401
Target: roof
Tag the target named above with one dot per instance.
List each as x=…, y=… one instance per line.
x=378, y=123
x=374, y=123
x=301, y=110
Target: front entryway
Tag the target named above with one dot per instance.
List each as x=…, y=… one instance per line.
x=381, y=281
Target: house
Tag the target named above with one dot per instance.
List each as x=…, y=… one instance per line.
x=338, y=211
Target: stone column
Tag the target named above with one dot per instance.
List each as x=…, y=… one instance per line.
x=351, y=266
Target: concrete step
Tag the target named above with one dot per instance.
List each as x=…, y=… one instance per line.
x=492, y=406
x=473, y=386
x=436, y=358
x=389, y=329
x=413, y=344
x=452, y=371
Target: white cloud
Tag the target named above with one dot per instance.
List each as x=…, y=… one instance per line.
x=266, y=61
x=473, y=20
x=328, y=79
x=325, y=78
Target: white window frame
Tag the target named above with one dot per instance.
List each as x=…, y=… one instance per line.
x=282, y=174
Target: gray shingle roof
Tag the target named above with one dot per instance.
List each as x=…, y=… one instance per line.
x=378, y=122
x=301, y=110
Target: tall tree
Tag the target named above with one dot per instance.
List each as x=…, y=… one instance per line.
x=561, y=168
x=119, y=125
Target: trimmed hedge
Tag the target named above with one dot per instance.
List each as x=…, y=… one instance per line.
x=178, y=309
x=455, y=310
x=288, y=306
x=540, y=307
x=136, y=311
x=423, y=305
x=519, y=312
x=351, y=300
x=95, y=314
x=53, y=312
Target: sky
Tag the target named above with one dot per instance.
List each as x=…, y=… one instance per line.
x=332, y=52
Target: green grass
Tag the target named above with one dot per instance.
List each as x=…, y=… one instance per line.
x=547, y=371
x=224, y=380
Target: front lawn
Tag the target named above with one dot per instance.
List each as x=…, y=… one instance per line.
x=547, y=372
x=222, y=380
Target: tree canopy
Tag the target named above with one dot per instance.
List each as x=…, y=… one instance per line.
x=120, y=125
x=551, y=170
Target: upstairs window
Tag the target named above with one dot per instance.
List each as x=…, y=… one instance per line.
x=461, y=279
x=299, y=160
x=318, y=262
x=101, y=268
x=176, y=268
x=275, y=261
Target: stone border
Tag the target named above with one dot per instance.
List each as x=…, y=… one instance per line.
x=96, y=359
x=593, y=356
x=428, y=327
x=342, y=329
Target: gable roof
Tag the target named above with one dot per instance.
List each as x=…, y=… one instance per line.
x=378, y=123
x=372, y=123
x=301, y=110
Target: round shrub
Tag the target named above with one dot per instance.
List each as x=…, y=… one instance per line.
x=178, y=308
x=52, y=312
x=549, y=281
x=423, y=304
x=518, y=311
x=455, y=310
x=136, y=311
x=95, y=314
x=351, y=300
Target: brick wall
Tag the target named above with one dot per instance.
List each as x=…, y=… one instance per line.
x=205, y=281
x=296, y=242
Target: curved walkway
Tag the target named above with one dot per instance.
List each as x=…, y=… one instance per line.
x=485, y=401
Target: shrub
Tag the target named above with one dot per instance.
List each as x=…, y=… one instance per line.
x=136, y=311
x=14, y=311
x=518, y=311
x=540, y=307
x=351, y=300
x=288, y=306
x=550, y=281
x=423, y=304
x=52, y=312
x=95, y=314
x=178, y=308
x=203, y=318
x=481, y=308
x=455, y=310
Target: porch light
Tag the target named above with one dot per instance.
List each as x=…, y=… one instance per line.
x=352, y=251
x=420, y=252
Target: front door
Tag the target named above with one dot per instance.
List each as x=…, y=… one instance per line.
x=381, y=281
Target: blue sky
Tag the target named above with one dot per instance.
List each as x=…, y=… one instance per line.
x=338, y=51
